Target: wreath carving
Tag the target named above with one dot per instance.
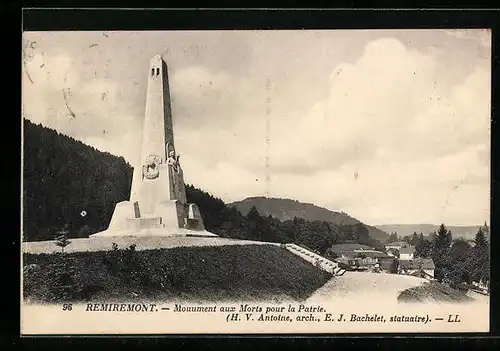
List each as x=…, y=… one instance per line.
x=151, y=168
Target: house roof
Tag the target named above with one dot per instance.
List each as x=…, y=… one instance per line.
x=349, y=247
x=420, y=273
x=348, y=254
x=386, y=263
x=396, y=243
x=407, y=250
x=421, y=263
x=371, y=253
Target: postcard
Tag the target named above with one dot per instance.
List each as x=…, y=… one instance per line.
x=255, y=181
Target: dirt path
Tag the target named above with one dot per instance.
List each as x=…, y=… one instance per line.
x=365, y=287
x=142, y=243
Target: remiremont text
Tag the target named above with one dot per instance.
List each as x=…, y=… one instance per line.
x=121, y=307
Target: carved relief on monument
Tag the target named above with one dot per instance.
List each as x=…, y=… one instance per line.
x=151, y=169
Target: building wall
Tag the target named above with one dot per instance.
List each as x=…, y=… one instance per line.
x=405, y=256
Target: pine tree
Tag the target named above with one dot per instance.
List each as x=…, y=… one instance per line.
x=444, y=237
x=254, y=222
x=414, y=239
x=393, y=237
x=480, y=239
x=440, y=251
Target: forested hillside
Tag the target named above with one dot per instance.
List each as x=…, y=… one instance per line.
x=287, y=209
x=402, y=230
x=68, y=184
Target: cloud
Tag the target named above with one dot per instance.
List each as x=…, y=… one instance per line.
x=414, y=141
x=89, y=109
x=386, y=103
x=482, y=36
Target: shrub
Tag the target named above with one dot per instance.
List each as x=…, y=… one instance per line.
x=62, y=241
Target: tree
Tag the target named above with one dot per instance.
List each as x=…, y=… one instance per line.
x=254, y=221
x=393, y=237
x=414, y=239
x=62, y=240
x=460, y=250
x=444, y=238
x=432, y=236
x=458, y=266
x=480, y=258
x=486, y=229
x=480, y=239
x=440, y=249
x=423, y=248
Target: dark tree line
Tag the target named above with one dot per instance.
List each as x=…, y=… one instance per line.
x=393, y=237
x=456, y=261
x=68, y=184
x=317, y=235
x=73, y=187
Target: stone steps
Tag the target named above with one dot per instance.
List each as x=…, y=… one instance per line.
x=316, y=259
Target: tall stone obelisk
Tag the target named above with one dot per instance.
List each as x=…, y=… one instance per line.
x=158, y=203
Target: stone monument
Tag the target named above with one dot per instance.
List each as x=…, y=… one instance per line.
x=157, y=205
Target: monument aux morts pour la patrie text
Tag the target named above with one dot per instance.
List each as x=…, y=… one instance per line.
x=157, y=205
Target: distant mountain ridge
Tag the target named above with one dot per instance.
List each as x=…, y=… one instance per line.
x=467, y=232
x=287, y=209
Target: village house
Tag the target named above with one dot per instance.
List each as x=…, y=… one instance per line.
x=485, y=286
x=388, y=264
x=392, y=252
x=361, y=259
x=395, y=245
x=420, y=267
x=406, y=253
x=474, y=290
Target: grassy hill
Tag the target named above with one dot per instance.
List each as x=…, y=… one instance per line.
x=466, y=232
x=433, y=291
x=244, y=272
x=287, y=209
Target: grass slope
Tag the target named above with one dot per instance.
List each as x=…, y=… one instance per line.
x=247, y=272
x=433, y=291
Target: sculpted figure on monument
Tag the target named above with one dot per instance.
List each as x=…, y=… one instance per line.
x=173, y=161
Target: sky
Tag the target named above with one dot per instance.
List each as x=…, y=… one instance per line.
x=390, y=126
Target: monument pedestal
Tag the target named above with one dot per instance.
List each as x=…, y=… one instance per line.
x=171, y=218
